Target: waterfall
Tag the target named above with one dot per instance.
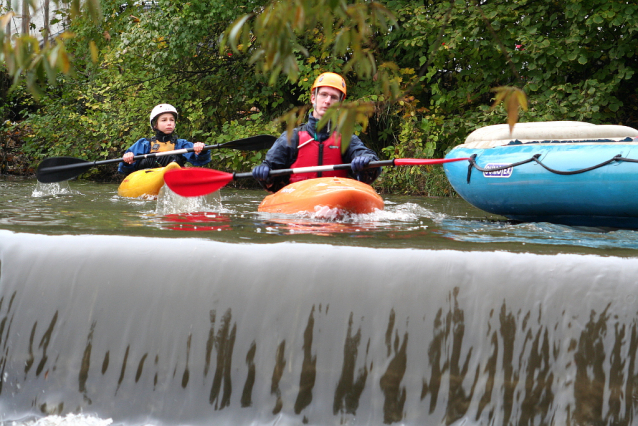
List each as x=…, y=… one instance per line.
x=192, y=331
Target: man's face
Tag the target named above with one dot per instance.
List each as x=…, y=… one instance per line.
x=323, y=99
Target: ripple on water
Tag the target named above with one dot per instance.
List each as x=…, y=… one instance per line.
x=544, y=233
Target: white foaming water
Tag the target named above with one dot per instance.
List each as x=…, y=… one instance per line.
x=407, y=212
x=168, y=202
x=325, y=212
x=68, y=420
x=326, y=221
x=515, y=321
x=50, y=189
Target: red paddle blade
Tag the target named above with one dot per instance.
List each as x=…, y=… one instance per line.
x=424, y=161
x=196, y=181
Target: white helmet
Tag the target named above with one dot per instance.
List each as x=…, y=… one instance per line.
x=161, y=109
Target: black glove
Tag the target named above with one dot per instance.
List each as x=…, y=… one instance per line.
x=261, y=172
x=359, y=163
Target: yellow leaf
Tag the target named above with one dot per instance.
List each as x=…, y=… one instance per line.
x=235, y=31
x=67, y=34
x=512, y=112
x=513, y=98
x=4, y=19
x=522, y=99
x=94, y=52
x=501, y=93
x=66, y=63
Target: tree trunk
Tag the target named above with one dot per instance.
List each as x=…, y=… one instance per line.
x=26, y=17
x=47, y=31
x=7, y=30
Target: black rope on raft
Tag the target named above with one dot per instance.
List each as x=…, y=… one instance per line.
x=481, y=169
x=535, y=158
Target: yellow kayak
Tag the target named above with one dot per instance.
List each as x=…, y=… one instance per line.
x=145, y=182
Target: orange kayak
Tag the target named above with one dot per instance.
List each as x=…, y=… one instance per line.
x=346, y=195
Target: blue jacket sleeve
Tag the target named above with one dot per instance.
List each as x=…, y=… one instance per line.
x=196, y=160
x=280, y=155
x=142, y=146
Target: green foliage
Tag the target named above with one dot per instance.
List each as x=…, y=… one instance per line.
x=418, y=138
x=275, y=38
x=279, y=36
x=38, y=64
x=145, y=58
x=420, y=75
x=231, y=160
x=574, y=59
x=563, y=55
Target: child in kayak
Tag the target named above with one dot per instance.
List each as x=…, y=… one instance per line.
x=162, y=119
x=311, y=147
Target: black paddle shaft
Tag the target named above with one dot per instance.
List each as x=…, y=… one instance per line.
x=58, y=169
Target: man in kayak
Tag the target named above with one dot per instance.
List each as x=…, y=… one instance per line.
x=312, y=147
x=162, y=119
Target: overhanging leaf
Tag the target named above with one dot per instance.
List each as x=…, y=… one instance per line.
x=293, y=118
x=513, y=98
x=94, y=52
x=236, y=29
x=4, y=20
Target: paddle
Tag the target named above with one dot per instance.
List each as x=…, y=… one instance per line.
x=57, y=169
x=196, y=181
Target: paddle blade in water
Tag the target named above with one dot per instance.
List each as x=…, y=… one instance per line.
x=424, y=161
x=57, y=169
x=196, y=181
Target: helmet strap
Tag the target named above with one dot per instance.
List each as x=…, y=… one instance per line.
x=316, y=101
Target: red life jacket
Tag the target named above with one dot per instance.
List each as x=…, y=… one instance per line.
x=314, y=153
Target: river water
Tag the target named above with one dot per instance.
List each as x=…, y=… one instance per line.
x=203, y=311
x=231, y=216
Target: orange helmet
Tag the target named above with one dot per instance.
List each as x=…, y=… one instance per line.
x=330, y=79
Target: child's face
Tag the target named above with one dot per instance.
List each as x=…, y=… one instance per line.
x=166, y=123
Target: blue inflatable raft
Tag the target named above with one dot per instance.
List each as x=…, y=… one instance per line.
x=563, y=172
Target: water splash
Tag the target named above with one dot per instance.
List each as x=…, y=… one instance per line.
x=168, y=202
x=327, y=222
x=51, y=189
x=407, y=212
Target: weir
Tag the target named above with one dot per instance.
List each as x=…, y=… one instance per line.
x=192, y=331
